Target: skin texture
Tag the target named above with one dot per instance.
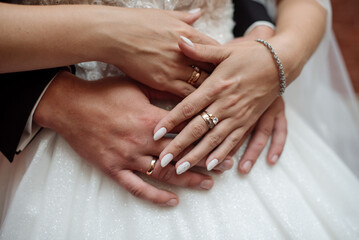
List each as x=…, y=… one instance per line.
x=122, y=144
x=119, y=36
x=111, y=145
x=272, y=124
x=244, y=84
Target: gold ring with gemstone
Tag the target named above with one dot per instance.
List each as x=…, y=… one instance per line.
x=152, y=167
x=210, y=119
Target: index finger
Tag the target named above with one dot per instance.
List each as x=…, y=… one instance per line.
x=185, y=110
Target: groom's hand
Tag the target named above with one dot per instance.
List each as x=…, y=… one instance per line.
x=109, y=123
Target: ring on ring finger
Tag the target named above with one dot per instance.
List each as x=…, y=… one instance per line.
x=210, y=119
x=196, y=74
x=151, y=167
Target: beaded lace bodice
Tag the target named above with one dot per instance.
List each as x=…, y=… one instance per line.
x=216, y=21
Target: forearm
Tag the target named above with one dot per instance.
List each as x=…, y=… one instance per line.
x=34, y=37
x=300, y=28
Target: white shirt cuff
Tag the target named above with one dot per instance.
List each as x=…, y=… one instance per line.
x=31, y=128
x=259, y=23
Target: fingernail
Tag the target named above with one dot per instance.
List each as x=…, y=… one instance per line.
x=206, y=184
x=189, y=42
x=275, y=158
x=160, y=133
x=166, y=159
x=193, y=11
x=173, y=202
x=182, y=168
x=247, y=166
x=212, y=164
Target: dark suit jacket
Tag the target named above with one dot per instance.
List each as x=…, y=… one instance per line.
x=20, y=91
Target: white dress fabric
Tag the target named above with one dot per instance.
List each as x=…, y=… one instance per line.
x=49, y=192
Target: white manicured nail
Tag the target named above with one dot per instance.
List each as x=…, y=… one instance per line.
x=212, y=164
x=160, y=133
x=275, y=158
x=247, y=166
x=189, y=42
x=206, y=184
x=166, y=159
x=182, y=168
x=172, y=202
x=193, y=11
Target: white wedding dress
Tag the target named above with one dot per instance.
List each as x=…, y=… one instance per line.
x=49, y=192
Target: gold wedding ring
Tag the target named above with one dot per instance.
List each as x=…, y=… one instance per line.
x=152, y=167
x=195, y=76
x=210, y=119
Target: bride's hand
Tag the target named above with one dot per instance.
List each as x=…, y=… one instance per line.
x=109, y=123
x=241, y=88
x=272, y=123
x=146, y=47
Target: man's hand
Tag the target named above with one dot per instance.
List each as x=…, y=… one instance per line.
x=109, y=123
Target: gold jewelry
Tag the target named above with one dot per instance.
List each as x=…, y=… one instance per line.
x=210, y=119
x=195, y=76
x=152, y=167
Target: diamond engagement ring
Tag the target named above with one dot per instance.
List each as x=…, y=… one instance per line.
x=210, y=119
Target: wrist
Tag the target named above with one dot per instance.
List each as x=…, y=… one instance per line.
x=108, y=31
x=52, y=107
x=292, y=55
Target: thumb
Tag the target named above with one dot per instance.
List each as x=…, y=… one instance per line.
x=202, y=52
x=188, y=17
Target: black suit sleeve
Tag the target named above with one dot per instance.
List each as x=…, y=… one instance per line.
x=19, y=93
x=247, y=12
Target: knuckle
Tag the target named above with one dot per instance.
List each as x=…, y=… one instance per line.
x=136, y=190
x=259, y=145
x=234, y=140
x=188, y=110
x=221, y=86
x=166, y=175
x=186, y=90
x=111, y=170
x=214, y=140
x=266, y=131
x=197, y=131
x=171, y=122
x=177, y=147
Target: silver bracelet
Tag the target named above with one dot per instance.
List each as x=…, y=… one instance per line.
x=283, y=80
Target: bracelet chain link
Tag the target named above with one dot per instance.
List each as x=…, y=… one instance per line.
x=282, y=78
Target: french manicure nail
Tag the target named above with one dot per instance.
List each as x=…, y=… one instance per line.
x=274, y=158
x=160, y=133
x=166, y=159
x=195, y=10
x=206, y=184
x=247, y=166
x=182, y=168
x=212, y=164
x=173, y=202
x=189, y=42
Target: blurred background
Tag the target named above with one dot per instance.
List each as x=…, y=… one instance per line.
x=346, y=28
